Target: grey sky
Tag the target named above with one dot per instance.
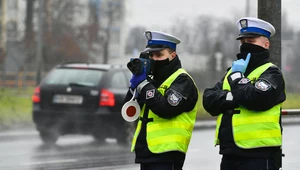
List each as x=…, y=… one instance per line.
x=159, y=14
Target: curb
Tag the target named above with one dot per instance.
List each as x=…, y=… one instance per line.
x=208, y=124
x=199, y=125
x=18, y=134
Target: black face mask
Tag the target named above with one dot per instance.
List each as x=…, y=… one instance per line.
x=258, y=55
x=161, y=63
x=158, y=64
x=251, y=48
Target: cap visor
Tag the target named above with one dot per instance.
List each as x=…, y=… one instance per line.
x=153, y=49
x=248, y=36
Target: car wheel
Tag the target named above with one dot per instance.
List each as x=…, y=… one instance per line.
x=99, y=132
x=125, y=135
x=99, y=137
x=49, y=138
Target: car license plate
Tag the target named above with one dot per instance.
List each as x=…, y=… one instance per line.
x=67, y=99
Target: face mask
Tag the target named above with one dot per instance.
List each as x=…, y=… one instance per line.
x=251, y=48
x=160, y=64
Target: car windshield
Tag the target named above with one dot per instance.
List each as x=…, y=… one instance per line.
x=79, y=77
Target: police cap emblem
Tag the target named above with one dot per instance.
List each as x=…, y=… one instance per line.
x=244, y=23
x=148, y=35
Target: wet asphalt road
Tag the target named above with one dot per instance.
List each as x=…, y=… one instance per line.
x=71, y=152
x=26, y=152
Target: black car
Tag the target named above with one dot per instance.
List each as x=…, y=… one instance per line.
x=81, y=98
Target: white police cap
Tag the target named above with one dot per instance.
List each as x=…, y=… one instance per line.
x=254, y=27
x=159, y=40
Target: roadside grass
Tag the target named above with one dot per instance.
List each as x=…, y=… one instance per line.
x=16, y=107
x=292, y=101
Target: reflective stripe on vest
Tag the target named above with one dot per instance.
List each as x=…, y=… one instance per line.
x=173, y=134
x=254, y=129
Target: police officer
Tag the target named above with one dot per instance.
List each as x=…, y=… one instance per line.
x=248, y=102
x=169, y=104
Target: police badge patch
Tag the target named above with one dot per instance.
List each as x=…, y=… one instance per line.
x=150, y=94
x=174, y=98
x=244, y=81
x=262, y=85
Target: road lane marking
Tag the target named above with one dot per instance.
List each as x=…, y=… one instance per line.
x=50, y=162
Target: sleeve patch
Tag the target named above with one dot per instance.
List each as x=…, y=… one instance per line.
x=262, y=85
x=174, y=98
x=244, y=81
x=229, y=96
x=150, y=94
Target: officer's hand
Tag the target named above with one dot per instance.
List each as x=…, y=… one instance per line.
x=136, y=79
x=241, y=64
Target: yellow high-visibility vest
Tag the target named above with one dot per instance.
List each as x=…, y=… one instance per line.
x=173, y=134
x=254, y=129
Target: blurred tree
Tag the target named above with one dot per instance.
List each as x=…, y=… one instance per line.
x=209, y=36
x=73, y=30
x=228, y=34
x=135, y=40
x=180, y=29
x=61, y=31
x=204, y=33
x=113, y=13
x=94, y=43
x=102, y=29
x=29, y=37
x=200, y=37
x=290, y=55
x=3, y=34
x=206, y=37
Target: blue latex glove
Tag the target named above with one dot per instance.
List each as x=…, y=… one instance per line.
x=241, y=64
x=136, y=79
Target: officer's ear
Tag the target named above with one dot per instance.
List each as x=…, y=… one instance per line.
x=172, y=53
x=266, y=42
